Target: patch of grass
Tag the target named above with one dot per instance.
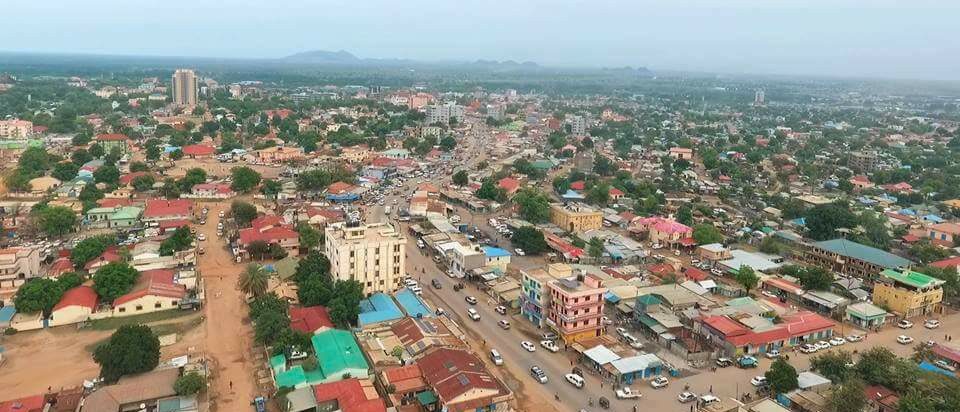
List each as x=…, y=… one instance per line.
x=116, y=322
x=159, y=330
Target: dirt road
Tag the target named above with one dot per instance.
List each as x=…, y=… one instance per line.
x=228, y=332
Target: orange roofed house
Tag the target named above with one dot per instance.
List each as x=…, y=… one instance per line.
x=113, y=140
x=158, y=210
x=156, y=290
x=271, y=230
x=461, y=382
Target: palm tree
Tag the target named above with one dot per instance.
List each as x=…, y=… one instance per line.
x=254, y=280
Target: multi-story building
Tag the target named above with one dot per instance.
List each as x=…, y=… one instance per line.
x=907, y=293
x=851, y=258
x=946, y=234
x=578, y=125
x=864, y=161
x=372, y=254
x=442, y=113
x=17, y=265
x=15, y=128
x=184, y=88
x=661, y=230
x=535, y=296
x=575, y=217
x=576, y=307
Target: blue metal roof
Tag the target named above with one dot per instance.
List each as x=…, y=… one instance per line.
x=572, y=194
x=378, y=308
x=412, y=304
x=6, y=313
x=495, y=252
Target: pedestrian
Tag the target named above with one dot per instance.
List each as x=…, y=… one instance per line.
x=711, y=388
x=231, y=385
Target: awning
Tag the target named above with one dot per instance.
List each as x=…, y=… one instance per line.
x=624, y=308
x=610, y=297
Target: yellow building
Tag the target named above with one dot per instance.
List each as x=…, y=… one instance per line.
x=575, y=217
x=908, y=293
x=372, y=254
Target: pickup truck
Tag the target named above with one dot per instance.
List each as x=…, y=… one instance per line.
x=626, y=393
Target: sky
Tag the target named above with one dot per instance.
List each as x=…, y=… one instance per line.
x=915, y=39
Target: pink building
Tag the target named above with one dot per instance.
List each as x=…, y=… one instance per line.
x=576, y=306
x=661, y=230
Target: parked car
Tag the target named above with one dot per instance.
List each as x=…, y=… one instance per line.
x=538, y=374
x=808, y=348
x=473, y=314
x=436, y=284
x=931, y=324
x=627, y=393
x=854, y=338
x=747, y=362
x=621, y=331
x=659, y=382
x=759, y=381
x=550, y=345
x=201, y=237
x=904, y=324
x=519, y=251
x=772, y=354
x=504, y=324
x=501, y=310
x=821, y=345
x=528, y=346
x=837, y=341
x=549, y=336
x=904, y=340
x=575, y=380
x=724, y=362
x=686, y=397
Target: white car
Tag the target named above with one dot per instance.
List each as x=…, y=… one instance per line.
x=759, y=381
x=808, y=348
x=621, y=331
x=837, y=341
x=201, y=237
x=574, y=379
x=905, y=324
x=659, y=382
x=854, y=338
x=606, y=320
x=772, y=354
x=528, y=346
x=687, y=397
x=931, y=324
x=504, y=324
x=821, y=345
x=550, y=345
x=904, y=340
x=519, y=252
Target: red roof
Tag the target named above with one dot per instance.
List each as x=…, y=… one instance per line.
x=127, y=178
x=615, y=192
x=660, y=268
x=198, y=150
x=760, y=338
x=112, y=137
x=266, y=220
x=947, y=352
x=578, y=185
x=509, y=184
x=948, y=262
x=695, y=274
x=784, y=285
x=453, y=372
x=806, y=322
x=28, y=404
x=113, y=202
x=173, y=224
x=405, y=378
x=60, y=266
x=81, y=295
x=158, y=283
x=168, y=208
x=309, y=319
x=268, y=229
x=349, y=395
x=688, y=241
x=109, y=255
x=339, y=187
x=728, y=327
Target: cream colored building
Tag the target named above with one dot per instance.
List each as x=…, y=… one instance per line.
x=17, y=265
x=575, y=217
x=184, y=88
x=16, y=128
x=372, y=254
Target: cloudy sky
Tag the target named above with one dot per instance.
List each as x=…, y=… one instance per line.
x=858, y=38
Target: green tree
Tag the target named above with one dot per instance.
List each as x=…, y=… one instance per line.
x=925, y=252
x=848, y=396
x=180, y=240
x=38, y=295
x=268, y=302
x=599, y=194
x=34, y=161
x=243, y=213
x=315, y=264
x=534, y=205
x=345, y=305
x=254, y=280
x=705, y=234
x=139, y=167
x=89, y=248
x=951, y=286
x=782, y=376
x=80, y=157
x=489, y=190
x=244, y=179
x=770, y=245
x=18, y=181
x=190, y=384
x=108, y=174
x=65, y=171
x=447, y=143
x=603, y=166
x=530, y=240
x=746, y=278
x=131, y=349
x=460, y=178
x=56, y=220
x=815, y=278
x=177, y=154
x=143, y=183
x=269, y=325
x=96, y=150
x=833, y=365
x=271, y=188
x=822, y=221
x=685, y=215
x=114, y=279
x=875, y=365
x=595, y=247
x=309, y=236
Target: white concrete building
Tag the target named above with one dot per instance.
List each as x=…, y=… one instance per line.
x=372, y=254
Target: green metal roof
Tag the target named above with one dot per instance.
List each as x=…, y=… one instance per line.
x=911, y=278
x=278, y=362
x=291, y=378
x=844, y=247
x=649, y=300
x=337, y=352
x=427, y=398
x=126, y=212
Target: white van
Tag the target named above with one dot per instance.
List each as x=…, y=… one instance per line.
x=473, y=314
x=495, y=357
x=632, y=341
x=708, y=399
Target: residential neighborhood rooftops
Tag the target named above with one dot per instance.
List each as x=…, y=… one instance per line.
x=911, y=278
x=844, y=247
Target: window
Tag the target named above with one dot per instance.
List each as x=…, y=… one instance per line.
x=122, y=309
x=351, y=253
x=369, y=284
x=157, y=305
x=139, y=307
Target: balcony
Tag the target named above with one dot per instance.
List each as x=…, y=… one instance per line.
x=582, y=303
x=578, y=318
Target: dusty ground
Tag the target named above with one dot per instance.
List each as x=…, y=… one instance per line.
x=228, y=339
x=61, y=357
x=218, y=169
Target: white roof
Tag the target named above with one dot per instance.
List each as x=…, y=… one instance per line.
x=601, y=354
x=708, y=284
x=637, y=363
x=694, y=287
x=756, y=261
x=714, y=247
x=809, y=379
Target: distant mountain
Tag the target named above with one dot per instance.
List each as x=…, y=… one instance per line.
x=639, y=71
x=343, y=57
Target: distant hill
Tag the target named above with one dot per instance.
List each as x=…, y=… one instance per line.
x=343, y=57
x=323, y=57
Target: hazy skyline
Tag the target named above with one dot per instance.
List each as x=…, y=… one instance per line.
x=894, y=39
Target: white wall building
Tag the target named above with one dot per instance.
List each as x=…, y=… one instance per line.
x=372, y=254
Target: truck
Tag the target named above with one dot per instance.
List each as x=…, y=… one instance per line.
x=627, y=393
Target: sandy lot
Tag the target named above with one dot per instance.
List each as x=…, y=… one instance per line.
x=218, y=169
